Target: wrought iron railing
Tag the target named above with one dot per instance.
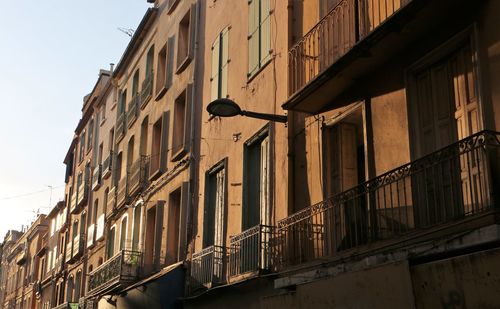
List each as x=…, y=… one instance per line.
x=444, y=186
x=147, y=88
x=133, y=108
x=138, y=174
x=121, y=192
x=96, y=177
x=334, y=35
x=121, y=269
x=249, y=251
x=66, y=305
x=107, y=165
x=208, y=266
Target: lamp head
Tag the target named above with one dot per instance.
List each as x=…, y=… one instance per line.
x=224, y=108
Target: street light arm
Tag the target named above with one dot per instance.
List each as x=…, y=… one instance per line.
x=270, y=117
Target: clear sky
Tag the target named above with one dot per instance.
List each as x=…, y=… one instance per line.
x=50, y=55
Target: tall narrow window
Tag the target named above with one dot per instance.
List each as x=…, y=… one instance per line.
x=82, y=147
x=135, y=83
x=220, y=60
x=144, y=137
x=90, y=136
x=111, y=242
x=259, y=35
x=149, y=61
x=123, y=233
x=165, y=67
x=185, y=43
x=215, y=204
x=159, y=144
x=180, y=136
x=256, y=173
x=137, y=228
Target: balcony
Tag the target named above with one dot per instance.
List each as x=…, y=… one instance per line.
x=111, y=202
x=448, y=191
x=66, y=305
x=78, y=246
x=249, y=252
x=116, y=273
x=355, y=39
x=138, y=175
x=120, y=126
x=82, y=193
x=96, y=178
x=121, y=192
x=133, y=110
x=107, y=166
x=208, y=267
x=147, y=89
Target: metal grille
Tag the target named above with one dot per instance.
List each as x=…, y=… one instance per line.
x=207, y=266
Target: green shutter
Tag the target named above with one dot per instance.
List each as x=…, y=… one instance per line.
x=224, y=62
x=214, y=76
x=253, y=36
x=170, y=61
x=265, y=32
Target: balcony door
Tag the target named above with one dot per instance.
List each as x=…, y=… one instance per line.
x=215, y=206
x=345, y=223
x=444, y=109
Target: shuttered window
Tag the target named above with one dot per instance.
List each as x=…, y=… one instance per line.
x=220, y=61
x=259, y=35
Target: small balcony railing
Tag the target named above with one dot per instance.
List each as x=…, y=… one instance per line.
x=82, y=193
x=249, y=251
x=96, y=177
x=78, y=245
x=107, y=166
x=120, y=126
x=147, y=89
x=133, y=110
x=117, y=272
x=208, y=266
x=334, y=35
x=121, y=192
x=445, y=186
x=138, y=175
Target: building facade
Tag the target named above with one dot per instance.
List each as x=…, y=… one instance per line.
x=376, y=187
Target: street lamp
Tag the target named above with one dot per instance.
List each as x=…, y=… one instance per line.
x=229, y=108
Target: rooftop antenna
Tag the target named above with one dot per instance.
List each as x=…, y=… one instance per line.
x=127, y=31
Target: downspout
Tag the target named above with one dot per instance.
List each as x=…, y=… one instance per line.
x=192, y=184
x=291, y=125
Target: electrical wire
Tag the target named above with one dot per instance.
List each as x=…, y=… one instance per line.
x=28, y=194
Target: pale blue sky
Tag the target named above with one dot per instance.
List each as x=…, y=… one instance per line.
x=50, y=54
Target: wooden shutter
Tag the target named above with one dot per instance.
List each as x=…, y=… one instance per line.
x=192, y=31
x=214, y=76
x=158, y=233
x=184, y=221
x=224, y=62
x=253, y=36
x=170, y=61
x=187, y=116
x=164, y=141
x=265, y=32
x=264, y=182
x=220, y=191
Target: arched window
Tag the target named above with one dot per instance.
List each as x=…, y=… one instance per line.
x=78, y=284
x=111, y=242
x=70, y=289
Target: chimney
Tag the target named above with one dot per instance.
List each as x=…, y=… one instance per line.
x=111, y=67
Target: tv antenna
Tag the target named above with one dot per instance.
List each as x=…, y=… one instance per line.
x=127, y=31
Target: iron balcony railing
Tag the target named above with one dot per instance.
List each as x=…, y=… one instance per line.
x=208, y=266
x=121, y=192
x=133, y=110
x=138, y=175
x=96, y=177
x=249, y=251
x=107, y=166
x=147, y=88
x=334, y=35
x=444, y=186
x=119, y=271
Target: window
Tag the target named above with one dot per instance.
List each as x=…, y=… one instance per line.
x=90, y=135
x=102, y=112
x=259, y=35
x=159, y=144
x=122, y=101
x=144, y=137
x=165, y=68
x=135, y=83
x=176, y=225
x=111, y=139
x=123, y=232
x=111, y=242
x=215, y=204
x=147, y=84
x=82, y=147
x=256, y=176
x=101, y=150
x=136, y=228
x=180, y=136
x=220, y=60
x=149, y=61
x=185, y=43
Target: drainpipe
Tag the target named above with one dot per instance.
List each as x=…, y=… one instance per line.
x=291, y=125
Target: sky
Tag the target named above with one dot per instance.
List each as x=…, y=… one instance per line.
x=50, y=55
